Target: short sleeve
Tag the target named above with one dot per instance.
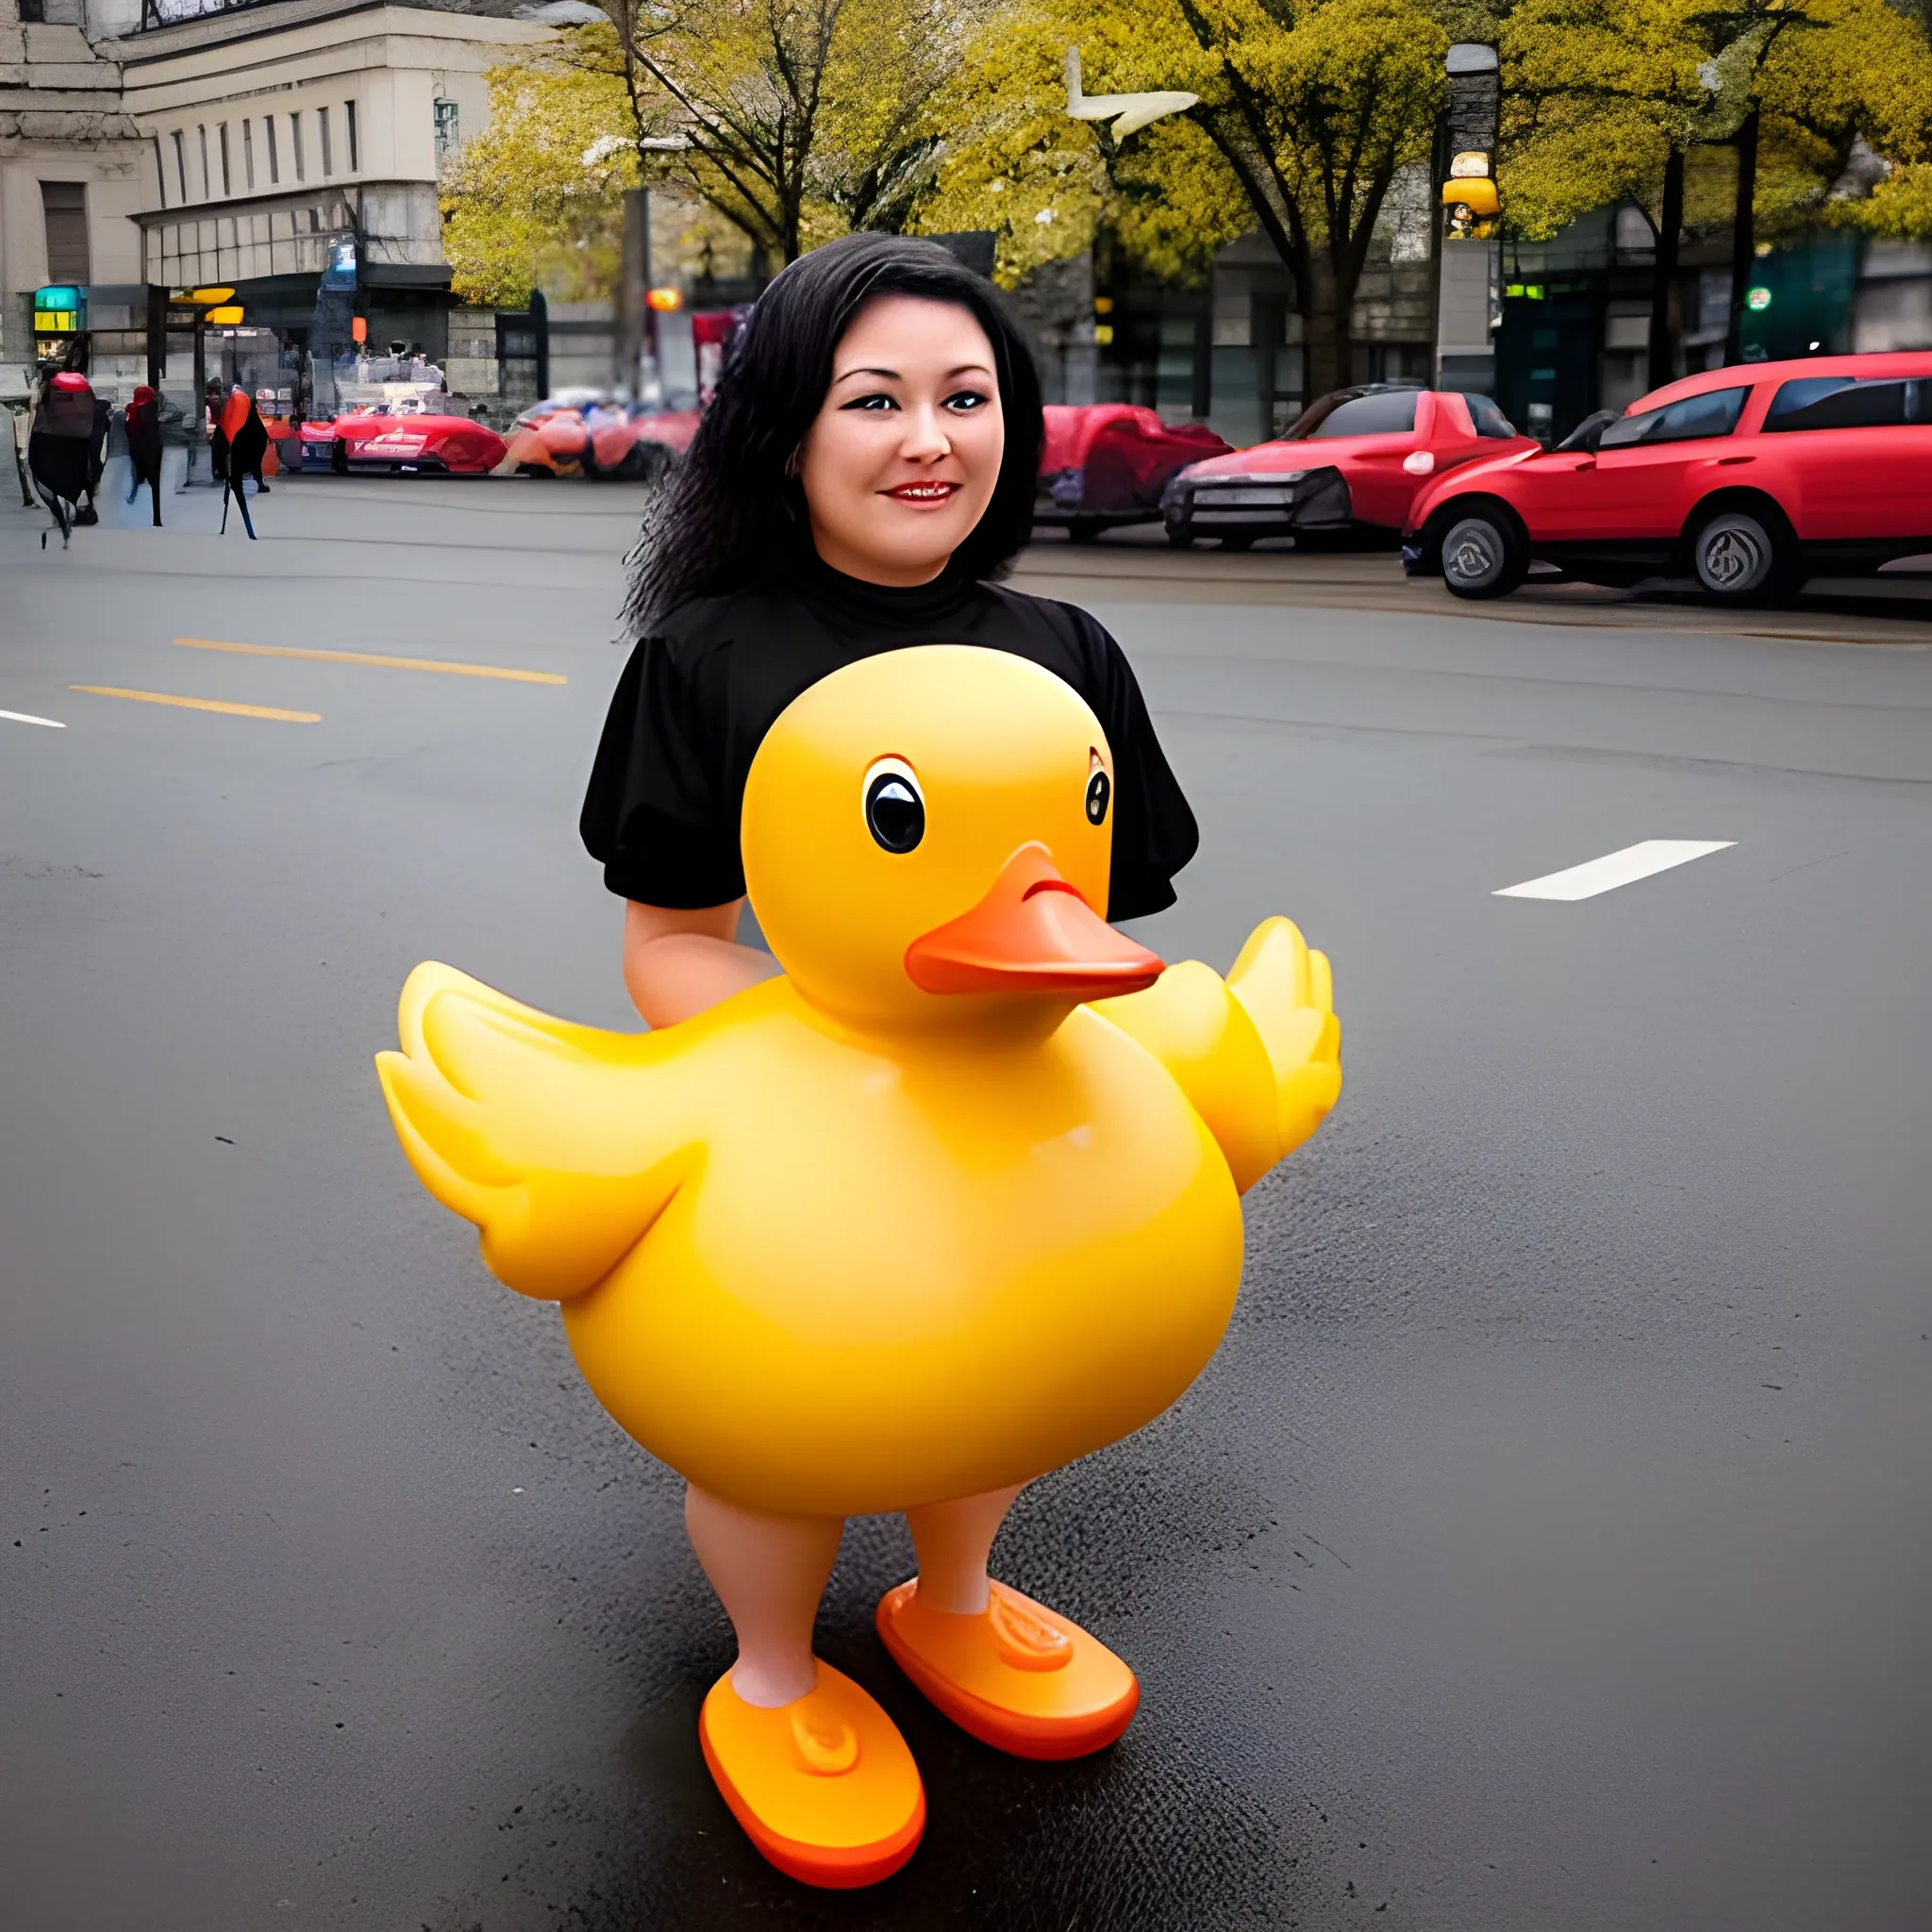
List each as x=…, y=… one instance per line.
x=657, y=815
x=1154, y=831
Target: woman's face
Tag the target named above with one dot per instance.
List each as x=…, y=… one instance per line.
x=901, y=461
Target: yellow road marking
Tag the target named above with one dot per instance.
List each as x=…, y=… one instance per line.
x=443, y=664
x=162, y=697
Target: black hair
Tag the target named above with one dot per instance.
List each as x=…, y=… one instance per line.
x=733, y=515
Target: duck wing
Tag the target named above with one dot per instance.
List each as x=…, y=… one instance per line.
x=1287, y=990
x=1258, y=1054
x=559, y=1142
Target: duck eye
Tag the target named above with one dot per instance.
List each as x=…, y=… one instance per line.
x=1099, y=790
x=894, y=811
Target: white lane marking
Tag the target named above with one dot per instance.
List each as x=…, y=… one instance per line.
x=28, y=718
x=1615, y=869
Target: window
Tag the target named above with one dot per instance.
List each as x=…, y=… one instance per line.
x=274, y=163
x=349, y=121
x=295, y=142
x=445, y=130
x=1713, y=413
x=33, y=12
x=222, y=135
x=161, y=171
x=1359, y=412
x=1844, y=402
x=207, y=179
x=328, y=161
x=1487, y=418
x=181, y=163
x=64, y=205
x=248, y=154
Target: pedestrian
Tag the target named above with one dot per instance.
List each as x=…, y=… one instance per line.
x=867, y=467
x=143, y=419
x=244, y=436
x=60, y=446
x=88, y=512
x=217, y=438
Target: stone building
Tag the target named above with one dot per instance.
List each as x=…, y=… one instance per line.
x=70, y=188
x=251, y=145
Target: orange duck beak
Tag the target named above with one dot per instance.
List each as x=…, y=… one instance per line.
x=1033, y=933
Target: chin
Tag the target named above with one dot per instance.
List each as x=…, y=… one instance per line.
x=924, y=538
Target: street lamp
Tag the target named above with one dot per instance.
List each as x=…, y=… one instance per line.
x=1129, y=113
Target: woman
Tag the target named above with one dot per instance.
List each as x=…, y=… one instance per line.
x=868, y=465
x=143, y=424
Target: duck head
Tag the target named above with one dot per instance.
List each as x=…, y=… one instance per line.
x=927, y=837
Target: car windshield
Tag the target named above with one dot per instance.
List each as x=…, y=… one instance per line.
x=1845, y=401
x=1713, y=413
x=1358, y=412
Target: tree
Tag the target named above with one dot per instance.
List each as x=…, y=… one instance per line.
x=795, y=119
x=1308, y=110
x=1013, y=161
x=1608, y=100
x=1602, y=102
x=537, y=199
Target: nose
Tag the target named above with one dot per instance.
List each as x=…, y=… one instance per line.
x=925, y=440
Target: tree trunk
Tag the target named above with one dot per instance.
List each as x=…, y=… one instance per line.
x=1743, y=234
x=1324, y=331
x=1663, y=346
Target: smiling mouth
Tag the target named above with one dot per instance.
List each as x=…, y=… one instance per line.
x=923, y=492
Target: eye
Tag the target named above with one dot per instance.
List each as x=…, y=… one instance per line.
x=1099, y=790
x=965, y=401
x=877, y=401
x=894, y=806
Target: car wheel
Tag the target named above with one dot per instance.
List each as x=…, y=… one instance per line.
x=1741, y=556
x=1181, y=536
x=339, y=457
x=1483, y=555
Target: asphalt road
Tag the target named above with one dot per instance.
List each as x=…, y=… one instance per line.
x=1545, y=1551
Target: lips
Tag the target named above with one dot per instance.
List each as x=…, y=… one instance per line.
x=923, y=492
x=1033, y=933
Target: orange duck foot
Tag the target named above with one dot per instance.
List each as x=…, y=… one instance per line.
x=824, y=1786
x=1017, y=1675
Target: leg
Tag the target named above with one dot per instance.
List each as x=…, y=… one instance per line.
x=810, y=1766
x=769, y=1572
x=154, y=484
x=1014, y=1673
x=952, y=1539
x=241, y=504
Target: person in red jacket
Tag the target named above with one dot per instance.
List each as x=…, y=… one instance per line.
x=246, y=436
x=143, y=424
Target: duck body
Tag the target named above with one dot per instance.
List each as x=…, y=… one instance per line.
x=952, y=1202
x=912, y=1270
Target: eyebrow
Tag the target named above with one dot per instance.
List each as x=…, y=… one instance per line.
x=893, y=374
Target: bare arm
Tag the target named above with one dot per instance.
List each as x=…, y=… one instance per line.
x=678, y=962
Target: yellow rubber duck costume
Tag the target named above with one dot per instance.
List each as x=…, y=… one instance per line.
x=949, y=1204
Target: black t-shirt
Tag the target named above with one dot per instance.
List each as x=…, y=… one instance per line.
x=699, y=694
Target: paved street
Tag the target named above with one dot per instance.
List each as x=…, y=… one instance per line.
x=1546, y=1549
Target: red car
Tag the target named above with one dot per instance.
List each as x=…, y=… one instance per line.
x=598, y=439
x=375, y=441
x=1750, y=478
x=1107, y=463
x=1353, y=462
